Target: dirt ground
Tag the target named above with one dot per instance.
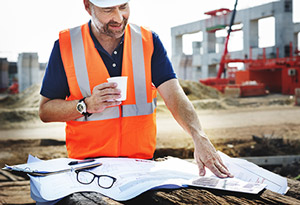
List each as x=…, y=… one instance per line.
x=253, y=126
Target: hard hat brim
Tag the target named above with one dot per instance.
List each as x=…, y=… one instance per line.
x=108, y=3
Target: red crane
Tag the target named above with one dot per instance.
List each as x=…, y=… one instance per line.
x=222, y=63
x=276, y=74
x=219, y=82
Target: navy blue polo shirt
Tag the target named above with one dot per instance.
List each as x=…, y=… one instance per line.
x=55, y=84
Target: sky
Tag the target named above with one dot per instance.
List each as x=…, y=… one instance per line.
x=33, y=25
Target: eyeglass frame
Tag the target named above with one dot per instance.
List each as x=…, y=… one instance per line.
x=95, y=175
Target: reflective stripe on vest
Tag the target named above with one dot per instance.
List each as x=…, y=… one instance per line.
x=141, y=107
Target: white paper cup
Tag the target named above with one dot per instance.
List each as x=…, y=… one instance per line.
x=122, y=85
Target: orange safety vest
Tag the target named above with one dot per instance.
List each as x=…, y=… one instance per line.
x=127, y=130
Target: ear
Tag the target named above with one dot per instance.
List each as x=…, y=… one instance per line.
x=87, y=6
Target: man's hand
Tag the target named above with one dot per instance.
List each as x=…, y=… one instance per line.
x=206, y=156
x=185, y=114
x=59, y=110
x=103, y=96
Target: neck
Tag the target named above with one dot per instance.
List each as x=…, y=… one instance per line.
x=107, y=42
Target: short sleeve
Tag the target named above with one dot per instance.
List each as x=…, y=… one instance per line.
x=55, y=84
x=161, y=67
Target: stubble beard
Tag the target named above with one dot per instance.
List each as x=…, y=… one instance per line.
x=114, y=34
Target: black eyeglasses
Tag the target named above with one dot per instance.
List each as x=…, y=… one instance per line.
x=86, y=177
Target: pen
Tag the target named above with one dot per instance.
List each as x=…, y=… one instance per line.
x=81, y=161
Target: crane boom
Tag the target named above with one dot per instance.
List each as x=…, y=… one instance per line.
x=222, y=63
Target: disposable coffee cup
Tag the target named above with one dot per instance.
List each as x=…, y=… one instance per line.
x=122, y=85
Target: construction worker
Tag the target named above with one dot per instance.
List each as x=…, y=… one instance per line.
x=75, y=89
x=14, y=88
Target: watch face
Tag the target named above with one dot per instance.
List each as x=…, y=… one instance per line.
x=80, y=108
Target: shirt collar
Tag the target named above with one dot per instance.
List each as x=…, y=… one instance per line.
x=96, y=42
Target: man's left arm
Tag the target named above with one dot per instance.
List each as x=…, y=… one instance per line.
x=185, y=114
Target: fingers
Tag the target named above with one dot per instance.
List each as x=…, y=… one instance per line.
x=207, y=156
x=223, y=168
x=215, y=167
x=107, y=92
x=214, y=163
x=103, y=96
x=221, y=171
x=109, y=97
x=106, y=88
x=111, y=103
x=201, y=168
x=105, y=85
x=218, y=167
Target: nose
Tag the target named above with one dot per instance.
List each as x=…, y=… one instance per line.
x=118, y=16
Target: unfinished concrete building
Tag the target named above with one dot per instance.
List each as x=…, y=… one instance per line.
x=28, y=70
x=203, y=62
x=4, y=67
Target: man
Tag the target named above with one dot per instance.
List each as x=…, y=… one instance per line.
x=75, y=90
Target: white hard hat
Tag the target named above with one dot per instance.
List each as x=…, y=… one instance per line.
x=108, y=3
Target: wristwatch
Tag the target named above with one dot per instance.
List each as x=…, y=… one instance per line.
x=81, y=108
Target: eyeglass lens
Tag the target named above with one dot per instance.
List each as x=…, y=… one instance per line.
x=85, y=177
x=104, y=181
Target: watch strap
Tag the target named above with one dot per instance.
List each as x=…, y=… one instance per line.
x=86, y=114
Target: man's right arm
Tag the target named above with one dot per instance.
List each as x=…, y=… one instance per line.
x=59, y=110
x=55, y=89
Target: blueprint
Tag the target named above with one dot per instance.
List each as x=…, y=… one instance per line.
x=135, y=176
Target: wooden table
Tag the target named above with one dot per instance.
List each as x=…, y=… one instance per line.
x=193, y=196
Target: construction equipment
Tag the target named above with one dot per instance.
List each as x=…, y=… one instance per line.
x=221, y=83
x=218, y=82
x=222, y=63
x=247, y=88
x=280, y=75
x=277, y=75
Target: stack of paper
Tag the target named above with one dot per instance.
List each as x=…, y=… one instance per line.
x=135, y=176
x=250, y=172
x=54, y=166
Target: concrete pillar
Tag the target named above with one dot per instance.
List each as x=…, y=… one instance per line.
x=295, y=44
x=284, y=27
x=196, y=47
x=177, y=51
x=204, y=70
x=209, y=45
x=250, y=33
x=221, y=44
x=212, y=70
x=28, y=70
x=4, y=79
x=177, y=47
x=253, y=31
